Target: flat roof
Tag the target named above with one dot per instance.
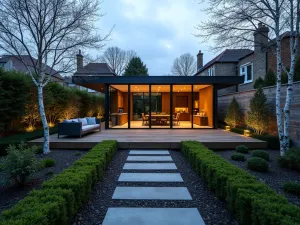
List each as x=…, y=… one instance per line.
x=97, y=82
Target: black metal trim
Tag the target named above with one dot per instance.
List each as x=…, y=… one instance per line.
x=129, y=108
x=191, y=113
x=107, y=105
x=222, y=81
x=150, y=107
x=171, y=106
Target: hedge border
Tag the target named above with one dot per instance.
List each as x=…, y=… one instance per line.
x=60, y=197
x=252, y=202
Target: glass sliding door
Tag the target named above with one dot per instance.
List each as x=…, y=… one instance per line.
x=182, y=106
x=118, y=106
x=140, y=106
x=203, y=106
x=160, y=106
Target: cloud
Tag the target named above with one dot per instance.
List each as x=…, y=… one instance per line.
x=159, y=31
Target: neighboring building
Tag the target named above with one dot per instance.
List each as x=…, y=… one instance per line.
x=95, y=69
x=13, y=62
x=251, y=64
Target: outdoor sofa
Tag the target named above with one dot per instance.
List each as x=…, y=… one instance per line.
x=79, y=126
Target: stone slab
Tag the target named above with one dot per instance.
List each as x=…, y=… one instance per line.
x=152, y=193
x=151, y=216
x=150, y=177
x=149, y=166
x=149, y=158
x=151, y=152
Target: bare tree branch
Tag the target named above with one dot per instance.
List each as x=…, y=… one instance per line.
x=185, y=65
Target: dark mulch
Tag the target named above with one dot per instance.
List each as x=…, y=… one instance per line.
x=274, y=178
x=212, y=210
x=10, y=194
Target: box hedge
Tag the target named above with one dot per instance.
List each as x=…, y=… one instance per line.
x=60, y=197
x=253, y=202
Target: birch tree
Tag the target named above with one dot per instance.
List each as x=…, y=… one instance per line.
x=117, y=58
x=232, y=24
x=49, y=32
x=185, y=65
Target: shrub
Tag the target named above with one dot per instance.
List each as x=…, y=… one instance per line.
x=1, y=167
x=61, y=196
x=238, y=157
x=273, y=140
x=258, y=164
x=291, y=159
x=21, y=162
x=77, y=153
x=252, y=201
x=257, y=117
x=242, y=149
x=259, y=82
x=291, y=187
x=234, y=114
x=48, y=162
x=270, y=79
x=261, y=154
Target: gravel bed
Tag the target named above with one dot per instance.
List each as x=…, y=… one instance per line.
x=274, y=178
x=212, y=210
x=9, y=194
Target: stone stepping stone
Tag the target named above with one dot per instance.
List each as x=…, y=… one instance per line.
x=152, y=152
x=149, y=158
x=152, y=193
x=150, y=177
x=149, y=166
x=151, y=216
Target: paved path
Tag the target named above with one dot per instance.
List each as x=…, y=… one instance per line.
x=138, y=160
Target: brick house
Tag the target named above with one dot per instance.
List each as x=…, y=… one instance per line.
x=12, y=62
x=251, y=64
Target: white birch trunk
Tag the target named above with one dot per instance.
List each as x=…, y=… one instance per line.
x=278, y=92
x=46, y=149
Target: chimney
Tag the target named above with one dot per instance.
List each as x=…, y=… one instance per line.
x=260, y=37
x=199, y=60
x=79, y=59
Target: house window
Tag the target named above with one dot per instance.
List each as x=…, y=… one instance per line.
x=246, y=70
x=211, y=71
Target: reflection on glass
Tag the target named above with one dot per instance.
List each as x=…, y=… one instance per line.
x=160, y=105
x=203, y=106
x=182, y=106
x=139, y=106
x=118, y=106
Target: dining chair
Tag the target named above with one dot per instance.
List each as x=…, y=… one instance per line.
x=145, y=119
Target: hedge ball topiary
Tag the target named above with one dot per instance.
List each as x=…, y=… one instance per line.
x=261, y=154
x=242, y=149
x=292, y=187
x=258, y=164
x=238, y=157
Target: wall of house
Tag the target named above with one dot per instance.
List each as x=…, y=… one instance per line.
x=226, y=69
x=166, y=102
x=285, y=55
x=244, y=98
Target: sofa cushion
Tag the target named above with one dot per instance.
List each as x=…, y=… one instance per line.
x=91, y=120
x=74, y=120
x=89, y=127
x=67, y=121
x=83, y=121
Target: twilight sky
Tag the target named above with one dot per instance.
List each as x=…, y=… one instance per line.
x=158, y=30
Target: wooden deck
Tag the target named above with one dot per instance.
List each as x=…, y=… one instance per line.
x=162, y=139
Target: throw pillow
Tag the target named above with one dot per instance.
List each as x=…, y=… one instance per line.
x=68, y=121
x=83, y=121
x=74, y=120
x=91, y=120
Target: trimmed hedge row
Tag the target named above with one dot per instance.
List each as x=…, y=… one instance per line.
x=60, y=197
x=252, y=201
